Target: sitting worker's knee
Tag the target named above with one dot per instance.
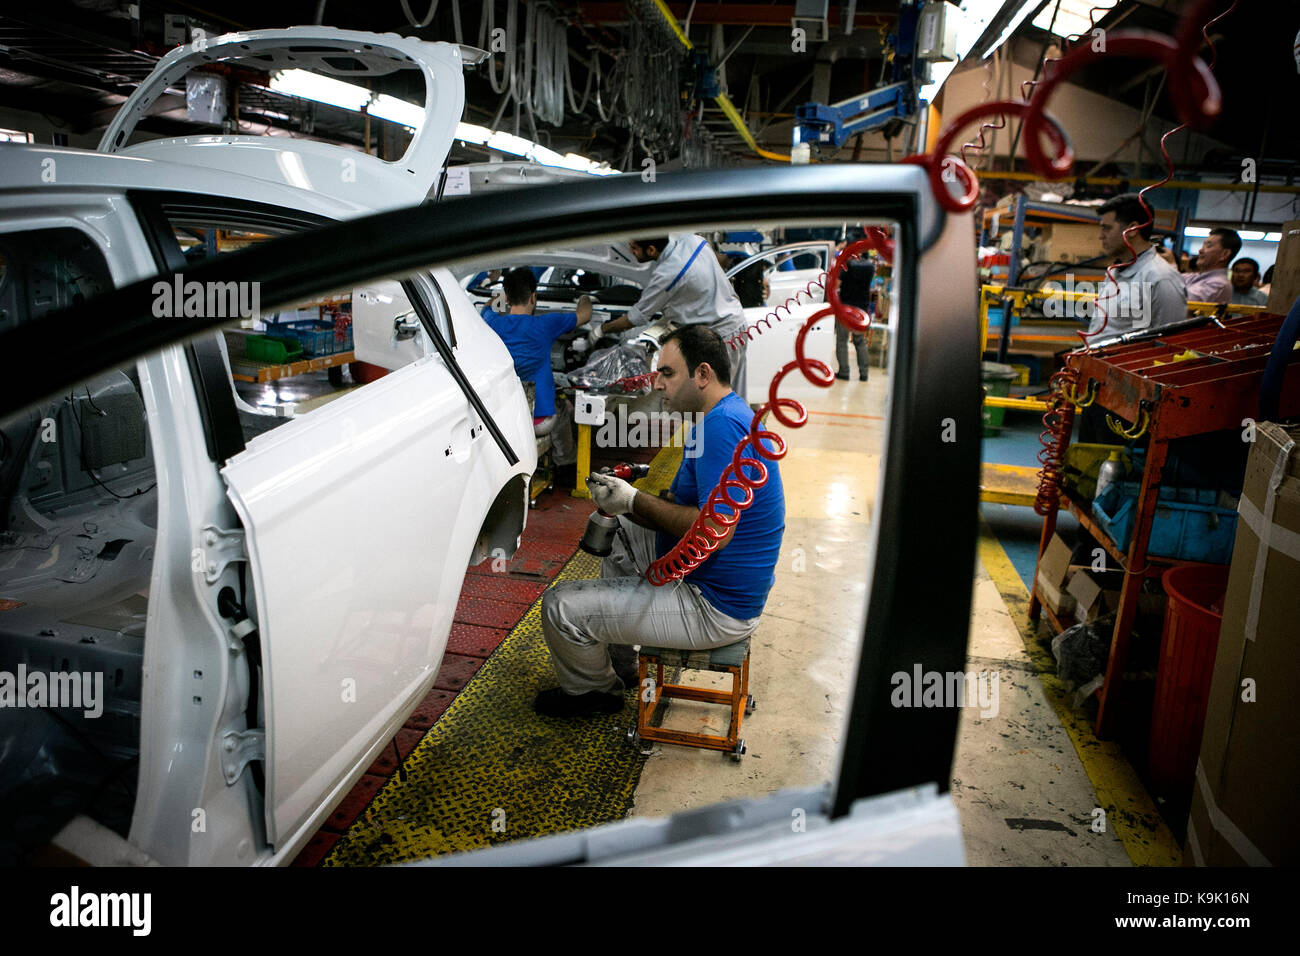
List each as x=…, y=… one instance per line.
x=550, y=609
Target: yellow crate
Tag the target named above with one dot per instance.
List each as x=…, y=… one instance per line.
x=1022, y=374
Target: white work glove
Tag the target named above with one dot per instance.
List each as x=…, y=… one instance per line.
x=612, y=495
x=594, y=327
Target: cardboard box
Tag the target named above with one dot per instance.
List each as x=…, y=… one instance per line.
x=1090, y=590
x=1097, y=593
x=1053, y=575
x=1071, y=241
x=1243, y=802
x=1286, y=270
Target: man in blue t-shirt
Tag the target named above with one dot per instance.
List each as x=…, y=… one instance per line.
x=528, y=337
x=590, y=626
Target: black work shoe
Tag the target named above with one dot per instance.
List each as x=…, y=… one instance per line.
x=556, y=703
x=842, y=376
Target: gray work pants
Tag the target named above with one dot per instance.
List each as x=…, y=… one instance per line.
x=564, y=450
x=842, y=351
x=585, y=621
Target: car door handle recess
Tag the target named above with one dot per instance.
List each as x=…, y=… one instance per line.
x=406, y=326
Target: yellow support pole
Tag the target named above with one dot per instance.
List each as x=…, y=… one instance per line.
x=932, y=128
x=584, y=462
x=1022, y=404
x=1136, y=183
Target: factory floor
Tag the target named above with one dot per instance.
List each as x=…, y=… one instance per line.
x=1027, y=781
x=1032, y=786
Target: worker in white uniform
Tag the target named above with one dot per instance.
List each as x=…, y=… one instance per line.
x=689, y=287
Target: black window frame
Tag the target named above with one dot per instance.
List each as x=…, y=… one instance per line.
x=159, y=212
x=929, y=495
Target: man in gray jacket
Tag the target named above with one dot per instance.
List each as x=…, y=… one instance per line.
x=1145, y=295
x=689, y=287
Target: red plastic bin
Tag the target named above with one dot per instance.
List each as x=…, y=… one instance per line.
x=1187, y=648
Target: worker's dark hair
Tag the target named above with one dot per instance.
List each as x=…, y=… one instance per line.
x=1231, y=241
x=1128, y=208
x=1267, y=277
x=657, y=241
x=699, y=343
x=519, y=285
x=1247, y=260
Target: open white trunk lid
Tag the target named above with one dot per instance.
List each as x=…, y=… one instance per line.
x=346, y=55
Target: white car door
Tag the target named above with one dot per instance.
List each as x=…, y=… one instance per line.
x=385, y=329
x=357, y=556
x=776, y=324
x=804, y=281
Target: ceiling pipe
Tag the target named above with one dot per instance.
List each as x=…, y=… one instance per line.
x=723, y=101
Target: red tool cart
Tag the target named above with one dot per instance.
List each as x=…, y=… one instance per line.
x=1164, y=399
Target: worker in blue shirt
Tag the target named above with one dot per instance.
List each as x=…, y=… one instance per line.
x=487, y=277
x=528, y=337
x=590, y=626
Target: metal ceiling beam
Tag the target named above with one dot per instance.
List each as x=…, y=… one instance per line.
x=728, y=14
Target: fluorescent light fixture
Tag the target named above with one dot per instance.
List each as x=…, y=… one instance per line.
x=1196, y=232
x=1272, y=237
x=510, y=143
x=582, y=163
x=1012, y=27
x=545, y=156
x=976, y=18
x=469, y=133
x=1251, y=236
x=322, y=89
x=518, y=146
x=938, y=73
x=398, y=111
x=1073, y=18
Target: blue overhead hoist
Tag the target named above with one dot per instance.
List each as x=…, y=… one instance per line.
x=823, y=125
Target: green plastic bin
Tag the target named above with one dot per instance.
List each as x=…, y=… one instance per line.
x=997, y=382
x=266, y=348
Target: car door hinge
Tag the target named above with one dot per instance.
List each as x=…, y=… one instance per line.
x=238, y=748
x=237, y=632
x=220, y=548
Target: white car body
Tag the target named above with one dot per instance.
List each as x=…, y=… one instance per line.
x=773, y=329
x=792, y=296
x=355, y=522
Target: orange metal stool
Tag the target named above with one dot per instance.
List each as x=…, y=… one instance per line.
x=653, y=692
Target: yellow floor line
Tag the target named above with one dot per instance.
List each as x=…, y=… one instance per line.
x=1129, y=809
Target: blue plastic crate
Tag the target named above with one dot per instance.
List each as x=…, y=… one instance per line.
x=317, y=337
x=995, y=317
x=1188, y=525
